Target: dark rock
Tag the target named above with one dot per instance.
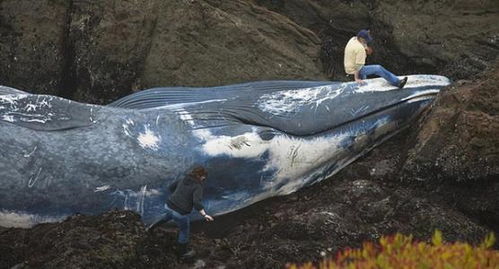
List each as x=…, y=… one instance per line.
x=456, y=38
x=31, y=47
x=107, y=44
x=98, y=51
x=458, y=140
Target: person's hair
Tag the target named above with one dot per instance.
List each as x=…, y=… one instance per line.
x=197, y=172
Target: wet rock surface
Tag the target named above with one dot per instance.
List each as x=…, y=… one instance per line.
x=442, y=173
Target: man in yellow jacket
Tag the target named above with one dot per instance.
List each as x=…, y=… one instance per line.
x=355, y=59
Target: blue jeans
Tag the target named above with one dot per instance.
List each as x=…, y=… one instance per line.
x=183, y=222
x=378, y=70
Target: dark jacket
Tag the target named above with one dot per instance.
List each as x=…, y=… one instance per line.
x=186, y=193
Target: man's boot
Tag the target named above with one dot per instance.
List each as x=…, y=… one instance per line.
x=184, y=252
x=402, y=83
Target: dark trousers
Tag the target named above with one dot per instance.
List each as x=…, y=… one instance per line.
x=183, y=222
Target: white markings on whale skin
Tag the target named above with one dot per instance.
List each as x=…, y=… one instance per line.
x=148, y=139
x=12, y=98
x=24, y=220
x=91, y=118
x=381, y=85
x=135, y=200
x=140, y=200
x=15, y=108
x=292, y=158
x=34, y=178
x=8, y=118
x=31, y=107
x=157, y=120
x=296, y=161
x=286, y=101
x=183, y=105
x=102, y=188
x=31, y=153
x=185, y=116
x=359, y=110
x=126, y=127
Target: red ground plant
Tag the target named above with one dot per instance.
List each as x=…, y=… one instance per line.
x=401, y=251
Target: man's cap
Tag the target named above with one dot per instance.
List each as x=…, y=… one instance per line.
x=365, y=35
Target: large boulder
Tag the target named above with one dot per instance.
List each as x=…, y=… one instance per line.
x=334, y=21
x=97, y=51
x=458, y=140
x=107, y=42
x=31, y=44
x=213, y=42
x=456, y=38
x=455, y=154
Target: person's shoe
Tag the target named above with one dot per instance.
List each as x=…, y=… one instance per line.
x=184, y=252
x=402, y=83
x=188, y=255
x=155, y=223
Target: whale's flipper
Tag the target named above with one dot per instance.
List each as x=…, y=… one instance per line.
x=43, y=112
x=158, y=97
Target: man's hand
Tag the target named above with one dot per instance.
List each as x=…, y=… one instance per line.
x=356, y=76
x=369, y=50
x=206, y=216
x=360, y=81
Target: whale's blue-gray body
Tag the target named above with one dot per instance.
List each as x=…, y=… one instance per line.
x=257, y=140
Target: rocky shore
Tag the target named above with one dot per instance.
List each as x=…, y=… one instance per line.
x=441, y=173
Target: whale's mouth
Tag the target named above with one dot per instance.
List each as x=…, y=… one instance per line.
x=430, y=92
x=416, y=98
x=422, y=97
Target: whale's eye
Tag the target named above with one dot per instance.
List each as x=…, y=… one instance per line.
x=266, y=134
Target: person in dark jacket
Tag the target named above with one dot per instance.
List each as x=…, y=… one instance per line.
x=186, y=194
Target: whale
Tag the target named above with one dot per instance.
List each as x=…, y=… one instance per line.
x=257, y=140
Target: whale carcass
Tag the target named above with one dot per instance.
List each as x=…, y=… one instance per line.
x=257, y=140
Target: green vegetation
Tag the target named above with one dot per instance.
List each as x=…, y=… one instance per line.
x=400, y=251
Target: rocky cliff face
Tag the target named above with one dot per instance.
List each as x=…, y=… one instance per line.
x=440, y=174
x=457, y=147
x=31, y=46
x=97, y=51
x=458, y=141
x=456, y=38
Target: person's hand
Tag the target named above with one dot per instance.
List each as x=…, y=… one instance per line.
x=208, y=217
x=369, y=50
x=360, y=81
